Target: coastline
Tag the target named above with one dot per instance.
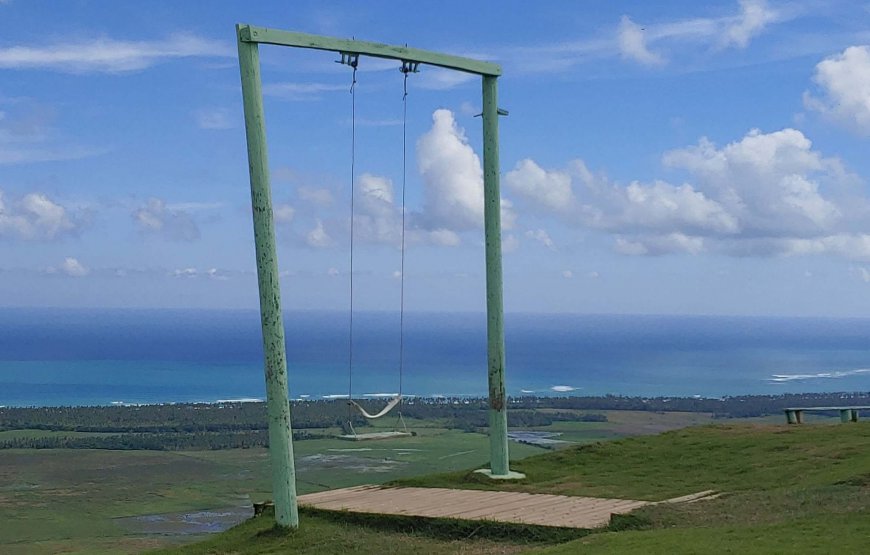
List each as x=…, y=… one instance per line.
x=699, y=403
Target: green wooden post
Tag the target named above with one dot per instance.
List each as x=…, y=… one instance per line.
x=498, y=440
x=278, y=404
x=845, y=415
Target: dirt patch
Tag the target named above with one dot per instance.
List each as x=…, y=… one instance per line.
x=185, y=524
x=348, y=462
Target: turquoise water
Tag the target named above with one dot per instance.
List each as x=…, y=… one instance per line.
x=75, y=357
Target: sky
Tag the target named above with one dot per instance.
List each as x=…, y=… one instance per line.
x=673, y=157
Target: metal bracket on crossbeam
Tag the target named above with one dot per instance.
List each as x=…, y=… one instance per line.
x=410, y=67
x=349, y=59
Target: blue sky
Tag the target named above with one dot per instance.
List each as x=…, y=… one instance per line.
x=659, y=157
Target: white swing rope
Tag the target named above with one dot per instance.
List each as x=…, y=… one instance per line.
x=407, y=67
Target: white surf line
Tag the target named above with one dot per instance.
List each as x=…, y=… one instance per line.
x=779, y=378
x=457, y=454
x=563, y=388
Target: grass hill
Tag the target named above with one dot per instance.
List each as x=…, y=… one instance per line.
x=789, y=489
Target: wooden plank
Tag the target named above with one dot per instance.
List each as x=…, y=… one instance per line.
x=496, y=506
x=690, y=497
x=444, y=505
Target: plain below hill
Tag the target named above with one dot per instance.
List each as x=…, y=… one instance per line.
x=789, y=489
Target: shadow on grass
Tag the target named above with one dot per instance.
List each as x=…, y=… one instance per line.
x=451, y=529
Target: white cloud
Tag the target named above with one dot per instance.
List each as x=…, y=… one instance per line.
x=844, y=80
x=211, y=273
x=652, y=43
x=542, y=237
x=855, y=246
x=754, y=16
x=300, y=91
x=768, y=181
x=318, y=237
x=219, y=275
x=158, y=218
x=509, y=243
x=453, y=178
x=466, y=108
x=214, y=118
x=452, y=174
x=376, y=218
x=185, y=272
x=333, y=272
x=283, y=213
x=765, y=194
x=36, y=217
x=439, y=79
x=108, y=55
x=632, y=43
x=441, y=237
x=549, y=189
x=661, y=206
x=72, y=267
x=567, y=274
x=581, y=197
x=321, y=197
x=660, y=244
x=31, y=155
x=27, y=136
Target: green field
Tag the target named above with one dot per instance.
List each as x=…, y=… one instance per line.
x=784, y=489
x=53, y=500
x=85, y=500
x=90, y=501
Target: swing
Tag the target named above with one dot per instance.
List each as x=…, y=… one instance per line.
x=352, y=60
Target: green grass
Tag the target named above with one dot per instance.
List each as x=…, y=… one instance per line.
x=773, y=475
x=821, y=534
x=16, y=434
x=325, y=532
x=68, y=500
x=786, y=489
x=730, y=458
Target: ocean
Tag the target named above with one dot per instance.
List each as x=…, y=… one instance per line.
x=52, y=357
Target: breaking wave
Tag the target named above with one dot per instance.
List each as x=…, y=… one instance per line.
x=783, y=378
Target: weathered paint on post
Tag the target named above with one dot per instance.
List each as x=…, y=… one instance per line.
x=498, y=440
x=280, y=433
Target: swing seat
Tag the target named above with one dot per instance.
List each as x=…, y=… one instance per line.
x=390, y=406
x=383, y=412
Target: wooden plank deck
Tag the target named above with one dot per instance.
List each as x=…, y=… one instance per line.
x=500, y=506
